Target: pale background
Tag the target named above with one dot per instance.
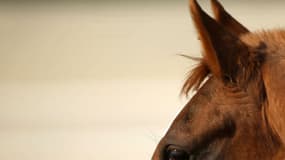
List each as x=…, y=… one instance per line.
x=98, y=79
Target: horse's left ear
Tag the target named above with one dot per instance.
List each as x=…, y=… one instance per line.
x=226, y=20
x=224, y=53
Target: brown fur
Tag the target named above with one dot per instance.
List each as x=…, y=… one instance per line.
x=239, y=112
x=227, y=20
x=196, y=77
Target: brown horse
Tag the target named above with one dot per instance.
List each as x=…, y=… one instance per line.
x=238, y=110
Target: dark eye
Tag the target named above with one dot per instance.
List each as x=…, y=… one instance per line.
x=176, y=154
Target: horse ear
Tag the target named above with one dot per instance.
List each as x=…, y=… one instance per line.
x=225, y=19
x=223, y=51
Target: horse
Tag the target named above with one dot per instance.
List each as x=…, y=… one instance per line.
x=238, y=107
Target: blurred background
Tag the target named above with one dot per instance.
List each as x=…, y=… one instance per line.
x=84, y=80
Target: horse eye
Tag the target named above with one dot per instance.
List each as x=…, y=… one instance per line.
x=177, y=154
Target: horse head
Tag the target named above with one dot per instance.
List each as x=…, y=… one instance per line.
x=237, y=111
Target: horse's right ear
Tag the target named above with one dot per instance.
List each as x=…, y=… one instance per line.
x=226, y=20
x=224, y=53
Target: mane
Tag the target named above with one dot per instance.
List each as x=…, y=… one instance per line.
x=195, y=77
x=274, y=40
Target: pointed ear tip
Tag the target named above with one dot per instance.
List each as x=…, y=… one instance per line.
x=192, y=4
x=194, y=7
x=218, y=9
x=214, y=1
x=216, y=5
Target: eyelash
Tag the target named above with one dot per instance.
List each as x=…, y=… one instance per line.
x=173, y=153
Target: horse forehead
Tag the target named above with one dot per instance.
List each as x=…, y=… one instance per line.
x=216, y=99
x=207, y=98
